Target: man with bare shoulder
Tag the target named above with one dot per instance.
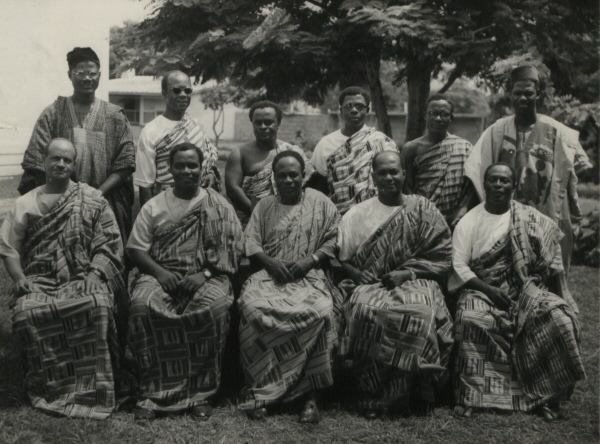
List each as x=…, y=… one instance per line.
x=248, y=173
x=435, y=163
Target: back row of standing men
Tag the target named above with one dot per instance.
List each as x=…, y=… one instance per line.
x=388, y=322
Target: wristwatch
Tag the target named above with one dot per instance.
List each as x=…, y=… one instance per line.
x=413, y=275
x=207, y=273
x=316, y=259
x=97, y=273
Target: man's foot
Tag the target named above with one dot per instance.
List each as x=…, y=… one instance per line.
x=142, y=414
x=550, y=414
x=257, y=414
x=464, y=412
x=310, y=413
x=201, y=412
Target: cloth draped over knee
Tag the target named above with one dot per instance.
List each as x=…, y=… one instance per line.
x=440, y=175
x=349, y=167
x=104, y=145
x=178, y=338
x=547, y=165
x=289, y=332
x=523, y=357
x=399, y=341
x=262, y=184
x=69, y=335
x=191, y=131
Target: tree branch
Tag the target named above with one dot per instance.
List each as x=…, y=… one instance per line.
x=455, y=74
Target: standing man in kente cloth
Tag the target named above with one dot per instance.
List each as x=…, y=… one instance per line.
x=186, y=242
x=61, y=246
x=248, y=173
x=546, y=155
x=101, y=135
x=342, y=159
x=435, y=163
x=516, y=325
x=398, y=331
x=175, y=126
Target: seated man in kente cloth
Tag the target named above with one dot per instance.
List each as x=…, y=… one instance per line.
x=248, y=174
x=398, y=332
x=62, y=248
x=435, y=163
x=288, y=330
x=342, y=159
x=186, y=242
x=518, y=342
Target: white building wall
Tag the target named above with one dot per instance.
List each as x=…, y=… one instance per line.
x=35, y=36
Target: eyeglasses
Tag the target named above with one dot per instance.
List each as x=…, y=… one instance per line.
x=83, y=74
x=442, y=114
x=177, y=91
x=359, y=106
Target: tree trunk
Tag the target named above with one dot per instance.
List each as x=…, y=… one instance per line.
x=373, y=63
x=418, y=81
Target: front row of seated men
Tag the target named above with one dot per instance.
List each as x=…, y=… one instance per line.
x=386, y=324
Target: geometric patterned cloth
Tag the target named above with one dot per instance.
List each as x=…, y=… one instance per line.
x=178, y=338
x=439, y=175
x=349, y=172
x=104, y=145
x=69, y=335
x=397, y=343
x=528, y=355
x=289, y=332
x=262, y=184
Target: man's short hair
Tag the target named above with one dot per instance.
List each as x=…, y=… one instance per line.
x=164, y=83
x=186, y=146
x=439, y=96
x=376, y=156
x=47, y=147
x=510, y=167
x=288, y=153
x=266, y=104
x=354, y=91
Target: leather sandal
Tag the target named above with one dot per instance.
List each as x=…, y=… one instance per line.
x=257, y=414
x=549, y=415
x=310, y=413
x=201, y=412
x=142, y=414
x=466, y=413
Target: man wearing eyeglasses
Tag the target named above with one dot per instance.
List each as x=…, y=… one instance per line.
x=435, y=163
x=342, y=159
x=175, y=126
x=100, y=133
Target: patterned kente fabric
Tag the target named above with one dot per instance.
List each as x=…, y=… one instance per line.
x=397, y=343
x=69, y=335
x=104, y=145
x=178, y=339
x=191, y=131
x=520, y=358
x=547, y=165
x=289, y=332
x=262, y=184
x=349, y=167
x=440, y=175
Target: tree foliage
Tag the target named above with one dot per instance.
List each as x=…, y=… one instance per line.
x=291, y=49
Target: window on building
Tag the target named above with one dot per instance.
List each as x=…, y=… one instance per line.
x=131, y=107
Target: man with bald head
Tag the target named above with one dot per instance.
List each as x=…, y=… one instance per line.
x=546, y=155
x=175, y=126
x=516, y=325
x=398, y=335
x=61, y=246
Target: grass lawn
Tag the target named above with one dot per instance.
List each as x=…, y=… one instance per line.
x=21, y=424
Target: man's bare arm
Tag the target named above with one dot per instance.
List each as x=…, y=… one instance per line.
x=234, y=176
x=408, y=156
x=145, y=195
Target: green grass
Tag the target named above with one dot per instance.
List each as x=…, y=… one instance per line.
x=21, y=424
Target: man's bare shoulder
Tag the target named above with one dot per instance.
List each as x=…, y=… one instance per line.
x=412, y=147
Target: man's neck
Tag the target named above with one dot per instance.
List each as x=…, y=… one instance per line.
x=395, y=200
x=497, y=209
x=173, y=114
x=56, y=186
x=266, y=145
x=186, y=193
x=434, y=138
x=83, y=99
x=523, y=121
x=349, y=131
